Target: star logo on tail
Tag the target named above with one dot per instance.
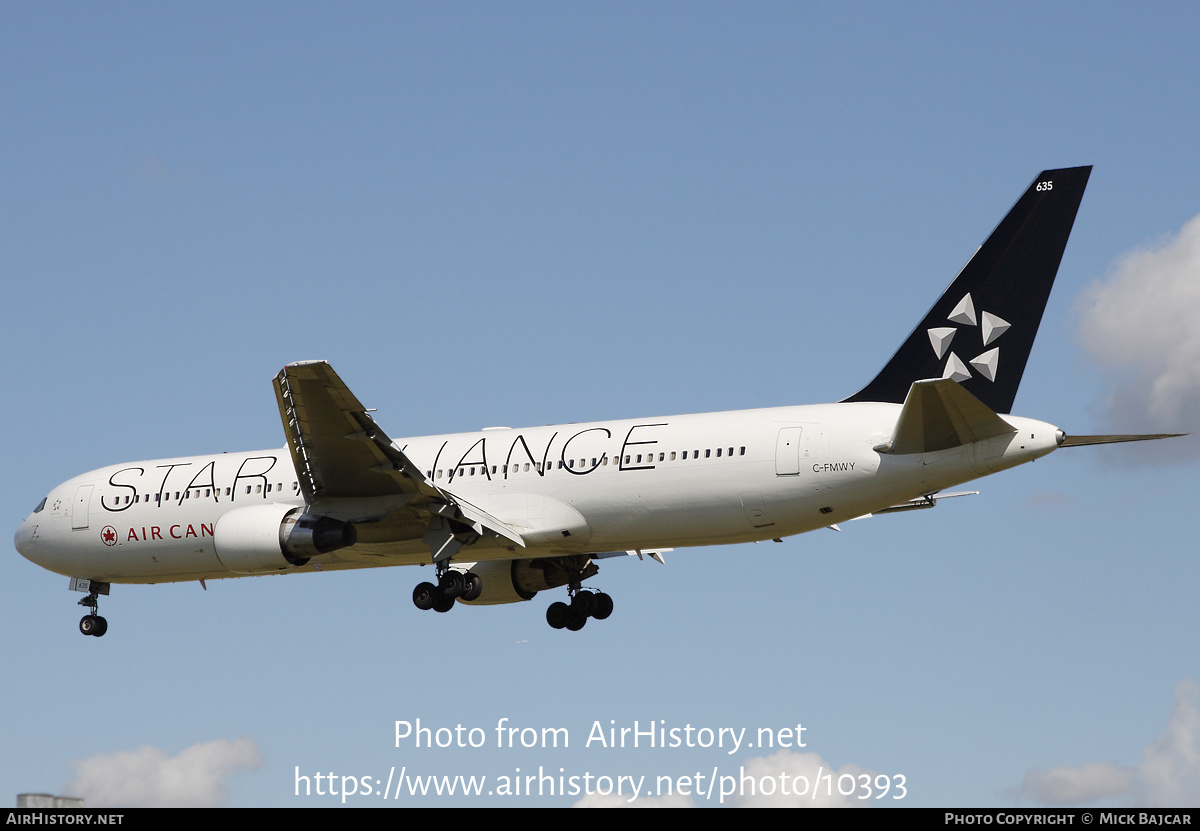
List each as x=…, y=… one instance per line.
x=991, y=326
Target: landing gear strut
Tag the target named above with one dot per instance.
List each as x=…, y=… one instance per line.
x=92, y=624
x=451, y=585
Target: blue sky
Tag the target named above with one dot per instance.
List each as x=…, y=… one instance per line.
x=538, y=213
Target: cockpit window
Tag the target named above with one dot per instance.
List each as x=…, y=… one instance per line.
x=41, y=504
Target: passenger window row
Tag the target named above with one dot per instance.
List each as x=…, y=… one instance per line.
x=630, y=459
x=199, y=493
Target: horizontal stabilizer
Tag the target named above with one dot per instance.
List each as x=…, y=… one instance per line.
x=1079, y=441
x=940, y=414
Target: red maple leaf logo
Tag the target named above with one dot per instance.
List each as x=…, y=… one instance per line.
x=108, y=535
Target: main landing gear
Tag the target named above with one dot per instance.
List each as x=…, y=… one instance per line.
x=584, y=605
x=451, y=586
x=92, y=624
x=528, y=578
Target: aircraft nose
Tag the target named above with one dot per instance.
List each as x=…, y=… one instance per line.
x=23, y=539
x=29, y=539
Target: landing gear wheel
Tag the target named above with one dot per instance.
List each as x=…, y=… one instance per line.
x=452, y=584
x=424, y=596
x=474, y=586
x=584, y=604
x=575, y=620
x=603, y=606
x=557, y=615
x=93, y=625
x=443, y=603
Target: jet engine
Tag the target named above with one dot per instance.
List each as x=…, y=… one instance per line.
x=275, y=537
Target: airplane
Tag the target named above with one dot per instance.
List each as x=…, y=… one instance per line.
x=503, y=514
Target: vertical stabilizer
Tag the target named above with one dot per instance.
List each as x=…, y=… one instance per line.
x=980, y=332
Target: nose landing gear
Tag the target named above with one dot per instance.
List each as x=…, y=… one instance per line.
x=93, y=624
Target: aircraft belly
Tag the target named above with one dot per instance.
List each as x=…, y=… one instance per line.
x=666, y=508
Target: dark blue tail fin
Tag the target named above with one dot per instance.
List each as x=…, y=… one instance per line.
x=981, y=331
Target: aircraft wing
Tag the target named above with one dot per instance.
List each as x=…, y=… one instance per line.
x=337, y=448
x=340, y=452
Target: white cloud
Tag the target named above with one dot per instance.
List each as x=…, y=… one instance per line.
x=1139, y=325
x=148, y=778
x=1168, y=776
x=1170, y=766
x=781, y=780
x=1081, y=785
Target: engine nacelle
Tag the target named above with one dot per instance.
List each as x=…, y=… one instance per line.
x=276, y=537
x=511, y=581
x=304, y=536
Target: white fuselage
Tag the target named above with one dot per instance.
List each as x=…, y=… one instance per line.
x=650, y=483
